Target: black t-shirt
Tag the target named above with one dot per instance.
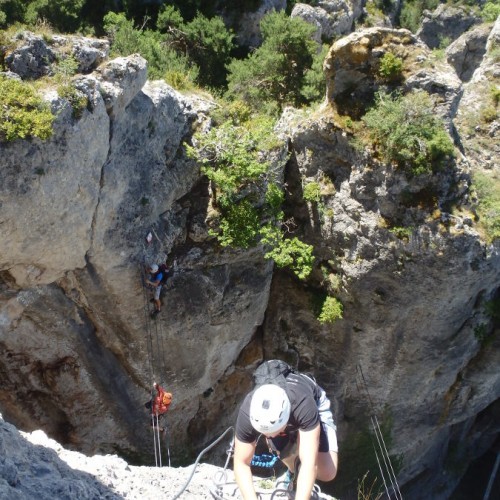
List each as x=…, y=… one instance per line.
x=304, y=395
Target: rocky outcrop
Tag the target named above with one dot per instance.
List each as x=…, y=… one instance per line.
x=32, y=465
x=477, y=119
x=32, y=59
x=353, y=63
x=414, y=301
x=331, y=18
x=446, y=23
x=466, y=53
x=32, y=56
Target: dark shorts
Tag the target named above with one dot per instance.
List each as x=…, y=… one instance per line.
x=285, y=444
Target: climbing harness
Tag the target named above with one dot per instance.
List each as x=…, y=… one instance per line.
x=382, y=455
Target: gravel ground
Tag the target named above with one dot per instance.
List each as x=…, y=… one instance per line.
x=35, y=466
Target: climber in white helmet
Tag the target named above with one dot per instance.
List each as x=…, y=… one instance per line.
x=154, y=282
x=298, y=424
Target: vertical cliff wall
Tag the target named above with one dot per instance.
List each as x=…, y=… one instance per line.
x=405, y=255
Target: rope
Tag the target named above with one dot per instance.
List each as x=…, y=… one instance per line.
x=209, y=447
x=386, y=470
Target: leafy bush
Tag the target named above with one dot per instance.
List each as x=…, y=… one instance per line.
x=314, y=86
x=23, y=113
x=331, y=311
x=275, y=72
x=490, y=11
x=64, y=15
x=487, y=187
x=239, y=227
x=65, y=68
x=163, y=62
x=288, y=252
x=402, y=233
x=246, y=193
x=312, y=192
x=206, y=42
x=391, y=67
x=405, y=130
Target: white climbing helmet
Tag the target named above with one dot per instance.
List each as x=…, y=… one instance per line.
x=154, y=268
x=269, y=409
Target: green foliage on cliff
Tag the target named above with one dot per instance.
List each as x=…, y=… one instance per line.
x=405, y=130
x=391, y=67
x=163, y=61
x=205, y=41
x=287, y=252
x=491, y=10
x=23, y=112
x=331, y=310
x=247, y=196
x=487, y=187
x=276, y=72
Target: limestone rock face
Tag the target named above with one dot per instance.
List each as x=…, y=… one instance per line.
x=466, y=53
x=353, y=63
x=88, y=52
x=411, y=301
x=32, y=59
x=332, y=18
x=446, y=22
x=77, y=340
x=477, y=117
x=403, y=255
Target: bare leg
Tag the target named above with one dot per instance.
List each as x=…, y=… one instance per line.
x=327, y=465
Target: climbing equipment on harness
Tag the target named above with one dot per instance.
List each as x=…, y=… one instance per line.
x=265, y=460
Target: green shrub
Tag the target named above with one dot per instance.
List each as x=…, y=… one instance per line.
x=314, y=85
x=331, y=311
x=64, y=15
x=239, y=226
x=490, y=11
x=163, y=61
x=288, y=252
x=76, y=98
x=274, y=73
x=402, y=233
x=405, y=130
x=205, y=41
x=23, y=113
x=391, y=67
x=65, y=68
x=312, y=192
x=487, y=187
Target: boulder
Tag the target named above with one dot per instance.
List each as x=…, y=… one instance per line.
x=88, y=52
x=333, y=18
x=32, y=59
x=466, y=53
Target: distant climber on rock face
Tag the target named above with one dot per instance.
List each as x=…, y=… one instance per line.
x=158, y=404
x=154, y=282
x=295, y=417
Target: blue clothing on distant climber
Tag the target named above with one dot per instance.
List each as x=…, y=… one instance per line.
x=155, y=282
